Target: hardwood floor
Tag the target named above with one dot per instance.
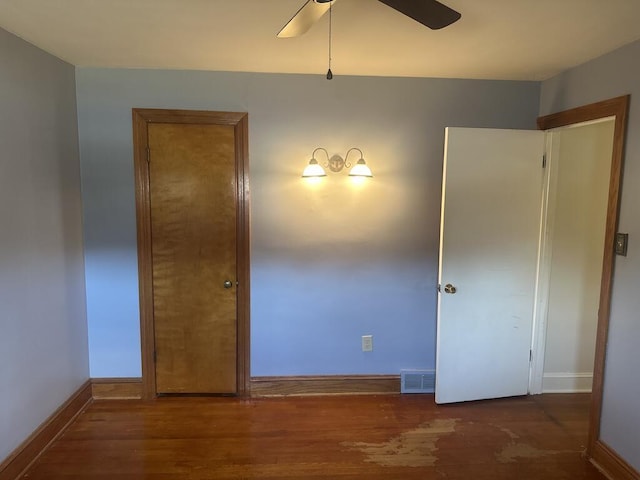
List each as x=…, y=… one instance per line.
x=335, y=437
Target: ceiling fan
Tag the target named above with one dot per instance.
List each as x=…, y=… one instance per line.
x=430, y=13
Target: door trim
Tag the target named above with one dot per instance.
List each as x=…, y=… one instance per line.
x=142, y=117
x=616, y=107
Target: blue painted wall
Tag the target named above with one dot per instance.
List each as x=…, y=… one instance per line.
x=331, y=261
x=43, y=327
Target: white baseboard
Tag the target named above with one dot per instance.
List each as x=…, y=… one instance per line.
x=567, y=382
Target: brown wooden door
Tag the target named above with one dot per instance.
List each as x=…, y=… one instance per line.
x=192, y=208
x=192, y=192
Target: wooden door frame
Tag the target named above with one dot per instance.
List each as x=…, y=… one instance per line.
x=142, y=117
x=616, y=107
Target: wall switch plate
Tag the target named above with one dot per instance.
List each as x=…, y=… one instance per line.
x=622, y=239
x=367, y=343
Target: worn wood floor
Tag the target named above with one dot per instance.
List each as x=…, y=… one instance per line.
x=329, y=437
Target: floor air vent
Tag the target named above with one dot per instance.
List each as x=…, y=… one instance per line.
x=417, y=381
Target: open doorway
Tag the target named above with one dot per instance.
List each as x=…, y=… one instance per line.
x=478, y=239
x=618, y=109
x=577, y=192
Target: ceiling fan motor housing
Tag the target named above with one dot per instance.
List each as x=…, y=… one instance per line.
x=430, y=13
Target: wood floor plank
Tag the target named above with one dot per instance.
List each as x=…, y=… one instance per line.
x=350, y=437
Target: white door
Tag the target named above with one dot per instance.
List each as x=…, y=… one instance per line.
x=489, y=238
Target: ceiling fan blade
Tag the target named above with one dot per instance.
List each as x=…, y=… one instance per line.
x=304, y=19
x=430, y=13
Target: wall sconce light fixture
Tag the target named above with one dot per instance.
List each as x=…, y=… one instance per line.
x=336, y=163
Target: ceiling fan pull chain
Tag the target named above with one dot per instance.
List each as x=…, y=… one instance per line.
x=329, y=72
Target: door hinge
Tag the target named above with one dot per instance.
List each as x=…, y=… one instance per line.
x=544, y=161
x=439, y=288
x=148, y=155
x=155, y=357
x=530, y=356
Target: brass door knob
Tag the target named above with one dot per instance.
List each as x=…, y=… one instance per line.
x=448, y=288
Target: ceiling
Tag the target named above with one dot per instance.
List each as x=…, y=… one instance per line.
x=495, y=39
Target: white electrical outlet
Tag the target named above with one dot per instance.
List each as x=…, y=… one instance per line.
x=367, y=343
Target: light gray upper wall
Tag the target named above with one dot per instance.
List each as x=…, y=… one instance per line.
x=615, y=74
x=43, y=339
x=330, y=262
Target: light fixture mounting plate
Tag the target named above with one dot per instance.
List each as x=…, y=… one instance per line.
x=337, y=163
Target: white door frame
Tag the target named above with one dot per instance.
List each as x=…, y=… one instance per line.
x=541, y=297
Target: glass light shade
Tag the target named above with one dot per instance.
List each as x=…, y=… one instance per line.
x=360, y=169
x=314, y=169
